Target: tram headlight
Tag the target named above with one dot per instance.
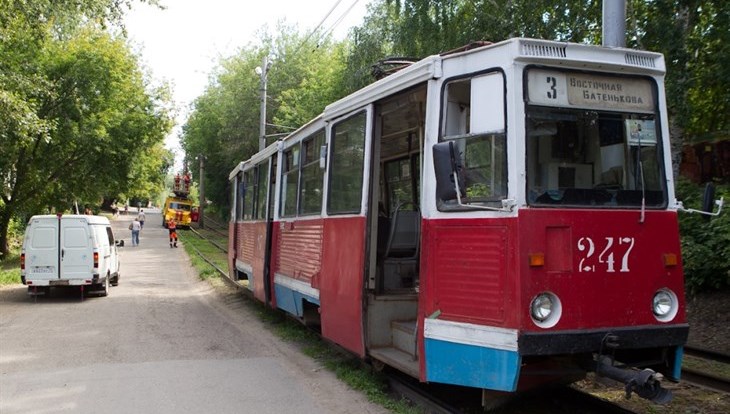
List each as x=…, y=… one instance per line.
x=545, y=310
x=664, y=305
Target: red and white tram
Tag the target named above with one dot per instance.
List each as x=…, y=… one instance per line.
x=498, y=218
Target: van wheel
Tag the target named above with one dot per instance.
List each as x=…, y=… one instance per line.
x=105, y=287
x=115, y=280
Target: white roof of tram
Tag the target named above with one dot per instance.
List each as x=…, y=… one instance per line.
x=530, y=51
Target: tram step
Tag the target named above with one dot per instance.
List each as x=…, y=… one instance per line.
x=404, y=336
x=396, y=359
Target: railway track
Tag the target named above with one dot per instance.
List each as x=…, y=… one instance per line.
x=216, y=227
x=702, y=377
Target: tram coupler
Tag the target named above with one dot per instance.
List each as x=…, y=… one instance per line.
x=646, y=383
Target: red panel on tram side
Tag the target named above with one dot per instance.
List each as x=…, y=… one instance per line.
x=246, y=241
x=252, y=250
x=341, y=282
x=298, y=249
x=604, y=266
x=468, y=271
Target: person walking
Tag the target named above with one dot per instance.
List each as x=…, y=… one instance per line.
x=135, y=227
x=140, y=218
x=172, y=228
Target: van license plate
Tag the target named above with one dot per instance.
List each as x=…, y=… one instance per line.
x=59, y=282
x=43, y=269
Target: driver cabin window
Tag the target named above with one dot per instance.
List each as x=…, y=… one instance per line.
x=474, y=120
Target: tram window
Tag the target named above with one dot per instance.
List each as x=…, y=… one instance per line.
x=248, y=195
x=289, y=182
x=593, y=158
x=238, y=193
x=346, y=172
x=474, y=121
x=310, y=192
x=261, y=190
x=400, y=176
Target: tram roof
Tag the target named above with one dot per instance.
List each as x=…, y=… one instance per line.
x=526, y=50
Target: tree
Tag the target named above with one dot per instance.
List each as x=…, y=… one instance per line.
x=224, y=125
x=74, y=105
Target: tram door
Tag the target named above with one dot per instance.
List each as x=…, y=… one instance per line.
x=257, y=227
x=270, y=191
x=395, y=230
x=394, y=224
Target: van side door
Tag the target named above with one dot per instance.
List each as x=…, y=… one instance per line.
x=41, y=248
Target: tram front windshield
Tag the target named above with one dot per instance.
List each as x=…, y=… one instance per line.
x=593, y=158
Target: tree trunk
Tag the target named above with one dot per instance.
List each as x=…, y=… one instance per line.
x=676, y=141
x=5, y=214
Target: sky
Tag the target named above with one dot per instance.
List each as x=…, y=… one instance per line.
x=183, y=43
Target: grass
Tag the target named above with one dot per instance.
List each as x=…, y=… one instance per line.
x=348, y=368
x=191, y=242
x=10, y=267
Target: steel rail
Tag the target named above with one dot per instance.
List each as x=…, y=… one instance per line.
x=707, y=354
x=209, y=262
x=405, y=388
x=704, y=379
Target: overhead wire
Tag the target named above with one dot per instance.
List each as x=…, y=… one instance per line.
x=337, y=3
x=328, y=31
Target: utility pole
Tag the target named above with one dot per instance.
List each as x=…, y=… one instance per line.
x=263, y=71
x=201, y=193
x=614, y=23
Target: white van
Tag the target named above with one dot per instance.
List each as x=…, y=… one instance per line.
x=69, y=250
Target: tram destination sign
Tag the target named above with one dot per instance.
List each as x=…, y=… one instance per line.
x=584, y=90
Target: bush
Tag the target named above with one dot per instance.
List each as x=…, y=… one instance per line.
x=705, y=243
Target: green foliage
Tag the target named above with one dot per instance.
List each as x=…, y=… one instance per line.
x=75, y=109
x=705, y=243
x=694, y=36
x=224, y=126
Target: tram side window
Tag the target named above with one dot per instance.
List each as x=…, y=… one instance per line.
x=474, y=121
x=310, y=191
x=248, y=194
x=289, y=182
x=238, y=191
x=261, y=190
x=346, y=172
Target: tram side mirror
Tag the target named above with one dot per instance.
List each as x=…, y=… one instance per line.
x=323, y=156
x=708, y=203
x=447, y=164
x=708, y=200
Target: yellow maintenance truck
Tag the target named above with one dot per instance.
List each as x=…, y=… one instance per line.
x=179, y=207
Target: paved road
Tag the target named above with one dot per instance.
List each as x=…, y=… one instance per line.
x=161, y=342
